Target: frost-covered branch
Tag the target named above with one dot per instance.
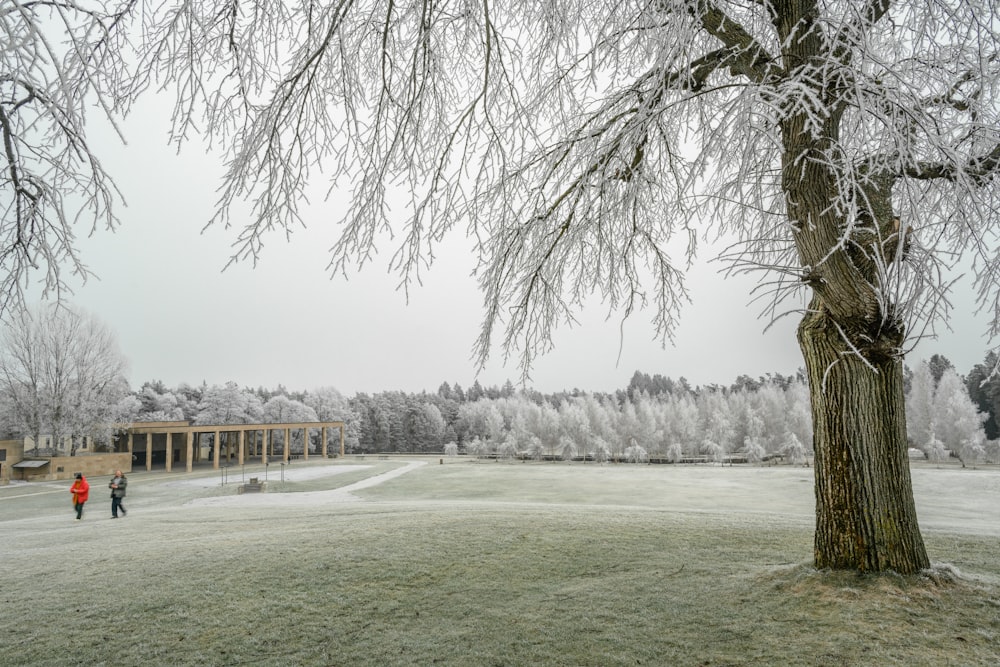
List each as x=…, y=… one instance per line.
x=587, y=150
x=51, y=181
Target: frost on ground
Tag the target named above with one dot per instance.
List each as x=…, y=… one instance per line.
x=298, y=474
x=306, y=498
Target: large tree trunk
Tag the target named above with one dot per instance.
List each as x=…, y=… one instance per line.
x=865, y=515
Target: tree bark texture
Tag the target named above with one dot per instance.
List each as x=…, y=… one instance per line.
x=865, y=515
x=851, y=337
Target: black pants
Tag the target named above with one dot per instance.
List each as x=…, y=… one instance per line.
x=79, y=510
x=116, y=504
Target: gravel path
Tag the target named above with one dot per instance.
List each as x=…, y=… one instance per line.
x=305, y=498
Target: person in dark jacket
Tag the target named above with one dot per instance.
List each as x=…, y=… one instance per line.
x=117, y=486
x=81, y=492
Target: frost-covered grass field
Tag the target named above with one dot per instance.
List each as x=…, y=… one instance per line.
x=395, y=563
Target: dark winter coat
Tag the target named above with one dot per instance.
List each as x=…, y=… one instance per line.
x=120, y=491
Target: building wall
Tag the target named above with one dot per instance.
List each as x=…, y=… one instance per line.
x=64, y=467
x=11, y=451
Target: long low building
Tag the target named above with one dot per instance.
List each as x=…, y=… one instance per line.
x=164, y=445
x=182, y=443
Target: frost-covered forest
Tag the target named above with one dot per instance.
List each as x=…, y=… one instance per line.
x=53, y=360
x=654, y=418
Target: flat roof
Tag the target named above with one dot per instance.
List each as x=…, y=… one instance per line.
x=30, y=464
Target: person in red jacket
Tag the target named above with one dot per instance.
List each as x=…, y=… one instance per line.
x=80, y=491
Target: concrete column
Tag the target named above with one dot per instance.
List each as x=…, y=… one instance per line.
x=215, y=451
x=149, y=452
x=264, y=437
x=305, y=444
x=288, y=442
x=170, y=452
x=242, y=444
x=190, y=451
x=323, y=440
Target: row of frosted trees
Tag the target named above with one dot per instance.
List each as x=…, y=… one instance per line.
x=653, y=419
x=753, y=422
x=62, y=375
x=709, y=425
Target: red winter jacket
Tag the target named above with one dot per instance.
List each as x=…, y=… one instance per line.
x=80, y=490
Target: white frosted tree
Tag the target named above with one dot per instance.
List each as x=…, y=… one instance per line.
x=935, y=451
x=281, y=409
x=64, y=376
x=958, y=423
x=792, y=448
x=602, y=425
x=484, y=420
x=426, y=428
x=548, y=428
x=713, y=450
x=684, y=427
x=331, y=406
x=507, y=450
x=477, y=447
x=799, y=414
x=574, y=425
x=157, y=406
x=602, y=451
x=717, y=420
x=920, y=408
x=567, y=448
x=229, y=404
x=753, y=449
x=771, y=407
x=636, y=453
x=848, y=149
x=534, y=448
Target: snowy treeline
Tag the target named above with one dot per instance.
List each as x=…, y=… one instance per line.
x=666, y=420
x=655, y=417
x=669, y=426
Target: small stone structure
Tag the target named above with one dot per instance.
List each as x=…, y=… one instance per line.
x=253, y=486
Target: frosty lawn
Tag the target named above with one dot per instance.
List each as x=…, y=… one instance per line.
x=485, y=564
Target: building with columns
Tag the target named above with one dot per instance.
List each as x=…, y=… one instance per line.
x=181, y=444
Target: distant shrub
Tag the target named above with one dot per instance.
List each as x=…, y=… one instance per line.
x=636, y=454
x=753, y=449
x=507, y=449
x=567, y=448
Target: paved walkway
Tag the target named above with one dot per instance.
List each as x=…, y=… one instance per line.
x=306, y=498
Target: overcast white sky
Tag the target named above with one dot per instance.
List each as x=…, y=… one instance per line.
x=181, y=319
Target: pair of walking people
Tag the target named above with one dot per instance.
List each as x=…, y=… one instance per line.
x=81, y=493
